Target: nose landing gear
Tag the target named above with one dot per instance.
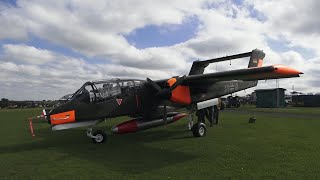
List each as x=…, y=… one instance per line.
x=97, y=136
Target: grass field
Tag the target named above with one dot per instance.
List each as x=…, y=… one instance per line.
x=289, y=110
x=272, y=148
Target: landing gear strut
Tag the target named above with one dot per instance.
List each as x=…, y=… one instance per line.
x=97, y=136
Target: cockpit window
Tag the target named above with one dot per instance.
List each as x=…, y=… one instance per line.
x=84, y=94
x=104, y=90
x=107, y=90
x=137, y=83
x=126, y=84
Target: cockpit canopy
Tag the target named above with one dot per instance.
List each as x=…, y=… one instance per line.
x=66, y=97
x=97, y=91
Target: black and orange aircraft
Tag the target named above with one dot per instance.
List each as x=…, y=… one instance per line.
x=152, y=103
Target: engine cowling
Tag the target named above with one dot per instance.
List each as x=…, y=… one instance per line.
x=180, y=94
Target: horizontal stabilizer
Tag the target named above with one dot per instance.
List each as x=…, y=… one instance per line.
x=256, y=58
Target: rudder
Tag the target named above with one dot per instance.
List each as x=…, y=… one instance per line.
x=256, y=58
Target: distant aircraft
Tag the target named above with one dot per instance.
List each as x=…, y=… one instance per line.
x=153, y=103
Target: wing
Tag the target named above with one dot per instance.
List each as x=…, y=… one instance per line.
x=181, y=93
x=248, y=74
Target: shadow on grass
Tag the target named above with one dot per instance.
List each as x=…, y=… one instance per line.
x=130, y=153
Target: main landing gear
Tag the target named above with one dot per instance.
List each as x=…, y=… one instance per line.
x=97, y=136
x=199, y=130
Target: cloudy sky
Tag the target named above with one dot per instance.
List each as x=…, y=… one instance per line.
x=50, y=48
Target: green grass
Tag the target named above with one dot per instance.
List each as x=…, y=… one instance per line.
x=290, y=110
x=272, y=148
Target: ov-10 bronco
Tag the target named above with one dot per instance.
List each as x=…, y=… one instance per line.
x=153, y=103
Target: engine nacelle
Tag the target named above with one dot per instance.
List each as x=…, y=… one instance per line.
x=180, y=94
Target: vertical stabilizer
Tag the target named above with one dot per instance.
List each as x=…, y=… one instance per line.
x=256, y=58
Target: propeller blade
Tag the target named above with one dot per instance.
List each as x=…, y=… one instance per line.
x=154, y=85
x=177, y=83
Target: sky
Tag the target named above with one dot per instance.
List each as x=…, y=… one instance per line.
x=50, y=48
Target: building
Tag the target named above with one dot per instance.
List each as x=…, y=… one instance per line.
x=270, y=98
x=253, y=98
x=306, y=100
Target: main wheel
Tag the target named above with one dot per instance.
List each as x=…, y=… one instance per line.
x=100, y=137
x=199, y=130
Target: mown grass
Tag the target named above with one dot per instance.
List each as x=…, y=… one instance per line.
x=272, y=148
x=290, y=109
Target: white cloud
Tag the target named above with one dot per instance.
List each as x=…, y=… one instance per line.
x=96, y=30
x=26, y=54
x=295, y=21
x=12, y=25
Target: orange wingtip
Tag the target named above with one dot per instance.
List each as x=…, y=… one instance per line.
x=285, y=70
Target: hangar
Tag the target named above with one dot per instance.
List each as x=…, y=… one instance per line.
x=306, y=100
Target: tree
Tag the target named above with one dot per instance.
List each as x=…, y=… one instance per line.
x=4, y=103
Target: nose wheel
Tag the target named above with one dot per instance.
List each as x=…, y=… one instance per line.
x=97, y=136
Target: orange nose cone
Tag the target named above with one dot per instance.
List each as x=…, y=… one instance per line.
x=285, y=70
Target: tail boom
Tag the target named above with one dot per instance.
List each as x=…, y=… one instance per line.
x=279, y=71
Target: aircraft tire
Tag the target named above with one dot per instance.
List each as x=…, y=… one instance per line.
x=100, y=137
x=199, y=130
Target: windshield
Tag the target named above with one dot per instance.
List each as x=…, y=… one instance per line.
x=66, y=97
x=85, y=93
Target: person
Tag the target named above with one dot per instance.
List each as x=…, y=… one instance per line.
x=210, y=114
x=216, y=114
x=201, y=113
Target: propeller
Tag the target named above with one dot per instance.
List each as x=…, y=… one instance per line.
x=166, y=92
